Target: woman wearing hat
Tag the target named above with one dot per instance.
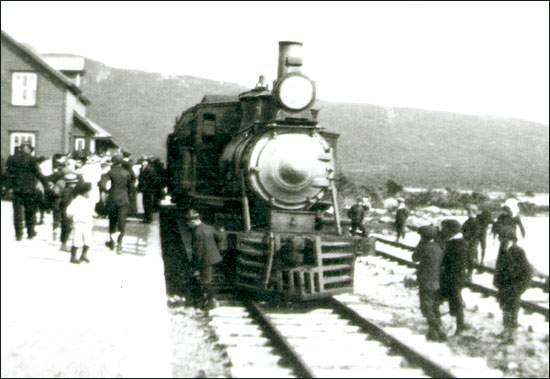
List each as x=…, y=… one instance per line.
x=512, y=277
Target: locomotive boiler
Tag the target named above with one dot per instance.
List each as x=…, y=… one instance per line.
x=260, y=166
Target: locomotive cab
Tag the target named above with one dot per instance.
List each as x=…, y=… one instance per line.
x=259, y=165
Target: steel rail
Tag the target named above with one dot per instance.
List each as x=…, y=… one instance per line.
x=534, y=283
x=527, y=305
x=430, y=367
x=301, y=369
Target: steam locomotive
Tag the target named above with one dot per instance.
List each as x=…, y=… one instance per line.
x=260, y=166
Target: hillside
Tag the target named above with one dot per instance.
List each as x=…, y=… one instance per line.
x=411, y=146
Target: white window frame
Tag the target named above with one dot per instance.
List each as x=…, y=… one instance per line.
x=23, y=88
x=17, y=138
x=79, y=143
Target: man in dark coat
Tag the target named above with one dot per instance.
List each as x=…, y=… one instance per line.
x=471, y=231
x=453, y=270
x=128, y=164
x=508, y=220
x=67, y=194
x=401, y=216
x=206, y=243
x=484, y=219
x=149, y=184
x=22, y=174
x=512, y=277
x=429, y=256
x=356, y=214
x=117, y=201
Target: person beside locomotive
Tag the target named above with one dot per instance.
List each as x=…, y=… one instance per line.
x=356, y=214
x=206, y=244
x=150, y=183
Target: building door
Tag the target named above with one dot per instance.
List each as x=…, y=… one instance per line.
x=79, y=144
x=17, y=138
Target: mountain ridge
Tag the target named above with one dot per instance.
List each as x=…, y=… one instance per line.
x=415, y=147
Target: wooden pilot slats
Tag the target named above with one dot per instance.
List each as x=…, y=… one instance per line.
x=250, y=275
x=337, y=255
x=249, y=251
x=337, y=244
x=247, y=262
x=337, y=267
x=334, y=279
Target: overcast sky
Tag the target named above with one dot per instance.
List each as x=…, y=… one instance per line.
x=478, y=58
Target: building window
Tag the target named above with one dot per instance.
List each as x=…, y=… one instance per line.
x=79, y=143
x=23, y=88
x=17, y=138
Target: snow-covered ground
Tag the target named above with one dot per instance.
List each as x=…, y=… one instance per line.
x=389, y=296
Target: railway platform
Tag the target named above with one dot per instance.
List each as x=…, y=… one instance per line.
x=108, y=318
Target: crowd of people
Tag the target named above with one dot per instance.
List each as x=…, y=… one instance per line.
x=447, y=256
x=76, y=188
x=448, y=253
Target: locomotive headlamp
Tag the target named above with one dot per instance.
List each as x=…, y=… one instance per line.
x=295, y=92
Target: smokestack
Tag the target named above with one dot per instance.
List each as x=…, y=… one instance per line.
x=290, y=57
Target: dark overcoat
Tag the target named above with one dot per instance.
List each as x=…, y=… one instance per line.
x=121, y=185
x=429, y=257
x=22, y=173
x=512, y=274
x=356, y=213
x=206, y=242
x=453, y=266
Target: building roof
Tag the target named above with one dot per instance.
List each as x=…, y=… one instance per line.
x=65, y=62
x=45, y=67
x=98, y=131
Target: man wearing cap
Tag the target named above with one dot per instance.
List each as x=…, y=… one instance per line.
x=471, y=231
x=22, y=174
x=149, y=184
x=429, y=256
x=117, y=201
x=401, y=216
x=206, y=242
x=512, y=277
x=356, y=214
x=453, y=270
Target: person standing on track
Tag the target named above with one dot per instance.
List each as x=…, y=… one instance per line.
x=512, y=277
x=429, y=256
x=471, y=231
x=453, y=270
x=401, y=216
x=356, y=214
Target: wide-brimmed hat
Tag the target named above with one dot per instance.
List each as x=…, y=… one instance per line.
x=70, y=177
x=192, y=214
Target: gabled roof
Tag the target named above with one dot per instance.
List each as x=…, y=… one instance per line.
x=99, y=132
x=45, y=67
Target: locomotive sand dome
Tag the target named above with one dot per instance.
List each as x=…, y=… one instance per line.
x=259, y=165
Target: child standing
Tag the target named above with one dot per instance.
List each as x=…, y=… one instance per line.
x=81, y=210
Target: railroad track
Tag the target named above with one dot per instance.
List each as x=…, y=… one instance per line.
x=527, y=305
x=330, y=340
